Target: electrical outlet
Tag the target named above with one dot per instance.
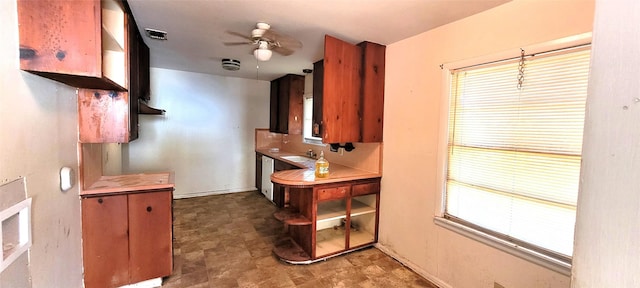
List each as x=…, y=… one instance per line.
x=496, y=285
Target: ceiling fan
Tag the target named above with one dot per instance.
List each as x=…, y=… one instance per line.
x=266, y=40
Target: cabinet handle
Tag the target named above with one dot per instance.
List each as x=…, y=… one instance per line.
x=100, y=200
x=149, y=208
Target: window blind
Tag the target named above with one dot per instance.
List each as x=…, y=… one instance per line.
x=514, y=154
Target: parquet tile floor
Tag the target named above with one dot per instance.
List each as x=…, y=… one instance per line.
x=226, y=241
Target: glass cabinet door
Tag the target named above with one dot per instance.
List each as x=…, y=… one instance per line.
x=362, y=228
x=330, y=227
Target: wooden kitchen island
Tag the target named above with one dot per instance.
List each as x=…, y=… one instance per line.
x=127, y=229
x=326, y=217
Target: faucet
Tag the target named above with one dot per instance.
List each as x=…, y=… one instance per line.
x=311, y=154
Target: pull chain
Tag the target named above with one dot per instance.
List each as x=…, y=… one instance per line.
x=521, y=70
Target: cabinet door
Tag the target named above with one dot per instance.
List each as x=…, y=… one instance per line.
x=79, y=43
x=286, y=104
x=150, y=236
x=103, y=116
x=318, y=74
x=258, y=172
x=105, y=241
x=373, y=71
x=341, y=91
x=273, y=108
x=332, y=205
x=295, y=90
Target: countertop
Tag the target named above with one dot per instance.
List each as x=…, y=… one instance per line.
x=306, y=177
x=128, y=183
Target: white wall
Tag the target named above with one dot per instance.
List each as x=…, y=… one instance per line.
x=607, y=253
x=38, y=136
x=207, y=134
x=413, y=101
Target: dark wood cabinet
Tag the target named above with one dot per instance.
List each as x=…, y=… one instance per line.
x=280, y=195
x=139, y=84
x=372, y=97
x=79, y=43
x=348, y=92
x=286, y=104
x=329, y=219
x=258, y=172
x=126, y=238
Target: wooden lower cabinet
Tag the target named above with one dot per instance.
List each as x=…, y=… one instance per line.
x=330, y=219
x=127, y=238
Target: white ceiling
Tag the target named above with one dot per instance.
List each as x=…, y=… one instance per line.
x=197, y=28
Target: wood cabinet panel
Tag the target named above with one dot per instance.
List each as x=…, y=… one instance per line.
x=103, y=116
x=105, y=241
x=150, y=235
x=127, y=238
x=332, y=193
x=286, y=104
x=258, y=177
x=372, y=97
x=63, y=41
x=365, y=188
x=341, y=91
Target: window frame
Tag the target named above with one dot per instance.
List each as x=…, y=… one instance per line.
x=307, y=128
x=557, y=264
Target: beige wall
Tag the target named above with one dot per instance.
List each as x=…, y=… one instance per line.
x=607, y=250
x=413, y=101
x=38, y=136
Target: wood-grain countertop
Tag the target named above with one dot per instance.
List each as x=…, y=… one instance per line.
x=306, y=177
x=129, y=183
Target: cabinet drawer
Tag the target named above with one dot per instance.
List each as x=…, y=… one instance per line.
x=332, y=193
x=365, y=188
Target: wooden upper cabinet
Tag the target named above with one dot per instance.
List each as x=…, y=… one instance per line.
x=81, y=43
x=103, y=116
x=341, y=91
x=373, y=58
x=348, y=92
x=286, y=104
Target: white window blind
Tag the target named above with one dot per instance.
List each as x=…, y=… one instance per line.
x=514, y=154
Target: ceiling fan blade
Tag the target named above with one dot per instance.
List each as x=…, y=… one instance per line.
x=281, y=40
x=282, y=50
x=237, y=43
x=239, y=35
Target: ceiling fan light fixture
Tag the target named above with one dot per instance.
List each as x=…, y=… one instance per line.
x=262, y=54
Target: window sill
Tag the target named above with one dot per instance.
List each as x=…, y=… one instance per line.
x=551, y=263
x=317, y=142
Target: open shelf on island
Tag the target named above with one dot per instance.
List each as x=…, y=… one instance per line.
x=289, y=251
x=291, y=217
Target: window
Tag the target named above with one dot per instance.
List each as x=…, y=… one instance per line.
x=307, y=123
x=514, y=152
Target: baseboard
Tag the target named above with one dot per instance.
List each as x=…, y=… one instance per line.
x=209, y=193
x=151, y=283
x=404, y=261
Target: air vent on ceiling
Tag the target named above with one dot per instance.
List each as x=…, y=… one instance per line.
x=156, y=34
x=230, y=64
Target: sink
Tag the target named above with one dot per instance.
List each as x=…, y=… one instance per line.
x=296, y=158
